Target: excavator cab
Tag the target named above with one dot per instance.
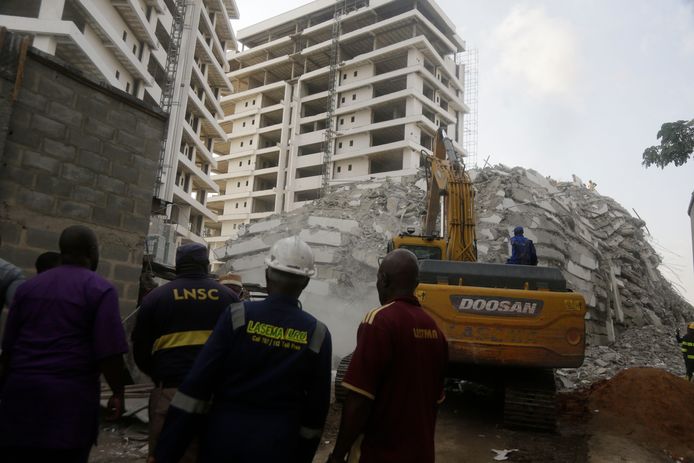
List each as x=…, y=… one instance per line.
x=431, y=247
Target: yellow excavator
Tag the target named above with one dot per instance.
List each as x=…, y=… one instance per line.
x=508, y=326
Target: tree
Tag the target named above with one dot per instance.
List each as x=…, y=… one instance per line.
x=676, y=145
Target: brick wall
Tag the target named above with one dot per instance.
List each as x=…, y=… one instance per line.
x=77, y=152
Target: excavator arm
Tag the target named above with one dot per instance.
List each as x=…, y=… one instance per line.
x=450, y=184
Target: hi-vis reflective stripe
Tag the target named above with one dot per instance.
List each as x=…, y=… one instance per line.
x=190, y=404
x=318, y=337
x=238, y=315
x=310, y=433
x=690, y=357
x=181, y=339
x=686, y=343
x=371, y=315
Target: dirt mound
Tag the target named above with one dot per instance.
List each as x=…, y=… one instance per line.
x=648, y=404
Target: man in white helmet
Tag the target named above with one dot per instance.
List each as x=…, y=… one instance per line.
x=261, y=385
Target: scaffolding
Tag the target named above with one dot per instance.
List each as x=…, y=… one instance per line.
x=167, y=94
x=333, y=76
x=470, y=60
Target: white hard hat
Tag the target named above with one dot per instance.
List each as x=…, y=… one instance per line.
x=291, y=255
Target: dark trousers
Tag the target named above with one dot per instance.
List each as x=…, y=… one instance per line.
x=34, y=455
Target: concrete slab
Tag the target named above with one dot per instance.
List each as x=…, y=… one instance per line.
x=494, y=218
x=263, y=226
x=330, y=238
x=324, y=255
x=238, y=248
x=344, y=225
x=578, y=271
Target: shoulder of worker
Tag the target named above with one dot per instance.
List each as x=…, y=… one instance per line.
x=9, y=272
x=388, y=310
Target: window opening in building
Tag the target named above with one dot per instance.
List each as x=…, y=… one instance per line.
x=354, y=96
x=339, y=145
x=243, y=125
x=342, y=121
x=250, y=142
x=351, y=143
x=252, y=121
x=237, y=205
x=339, y=169
x=238, y=184
x=117, y=74
x=352, y=119
x=246, y=104
x=253, y=102
x=125, y=35
x=127, y=87
x=343, y=99
x=246, y=182
x=244, y=204
x=234, y=226
x=241, y=144
x=349, y=167
x=355, y=73
x=249, y=162
x=344, y=76
x=240, y=163
x=135, y=50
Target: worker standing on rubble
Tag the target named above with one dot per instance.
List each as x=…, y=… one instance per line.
x=522, y=249
x=173, y=323
x=261, y=384
x=686, y=343
x=395, y=379
x=63, y=330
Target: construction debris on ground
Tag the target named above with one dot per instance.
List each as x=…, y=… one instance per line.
x=601, y=249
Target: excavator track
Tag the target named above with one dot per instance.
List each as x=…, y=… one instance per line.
x=530, y=401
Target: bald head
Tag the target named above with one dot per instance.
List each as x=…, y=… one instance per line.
x=398, y=275
x=79, y=246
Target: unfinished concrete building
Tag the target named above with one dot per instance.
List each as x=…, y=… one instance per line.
x=166, y=52
x=333, y=92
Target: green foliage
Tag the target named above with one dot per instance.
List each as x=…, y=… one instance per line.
x=676, y=145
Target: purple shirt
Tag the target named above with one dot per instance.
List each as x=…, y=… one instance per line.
x=62, y=322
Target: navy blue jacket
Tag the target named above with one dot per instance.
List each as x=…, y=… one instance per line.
x=522, y=251
x=174, y=322
x=260, y=387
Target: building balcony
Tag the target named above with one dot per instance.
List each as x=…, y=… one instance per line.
x=72, y=45
x=216, y=45
x=135, y=18
x=209, y=124
x=193, y=138
x=200, y=178
x=215, y=71
x=112, y=40
x=181, y=197
x=197, y=74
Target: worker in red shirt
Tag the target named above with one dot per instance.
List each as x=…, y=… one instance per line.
x=395, y=379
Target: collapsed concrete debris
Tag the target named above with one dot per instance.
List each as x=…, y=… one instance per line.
x=639, y=346
x=598, y=245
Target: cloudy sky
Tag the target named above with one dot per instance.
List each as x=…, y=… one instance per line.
x=581, y=87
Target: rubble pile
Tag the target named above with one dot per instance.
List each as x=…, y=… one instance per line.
x=645, y=346
x=601, y=249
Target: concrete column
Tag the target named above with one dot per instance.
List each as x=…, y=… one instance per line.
x=49, y=10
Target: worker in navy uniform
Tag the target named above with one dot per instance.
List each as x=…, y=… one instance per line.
x=173, y=323
x=261, y=385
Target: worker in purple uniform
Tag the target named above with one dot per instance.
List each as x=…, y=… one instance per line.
x=62, y=332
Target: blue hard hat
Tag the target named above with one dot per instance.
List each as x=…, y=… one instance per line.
x=518, y=230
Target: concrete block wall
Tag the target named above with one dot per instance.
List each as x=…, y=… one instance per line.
x=78, y=152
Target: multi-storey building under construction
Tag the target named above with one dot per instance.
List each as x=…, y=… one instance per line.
x=333, y=92
x=166, y=52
